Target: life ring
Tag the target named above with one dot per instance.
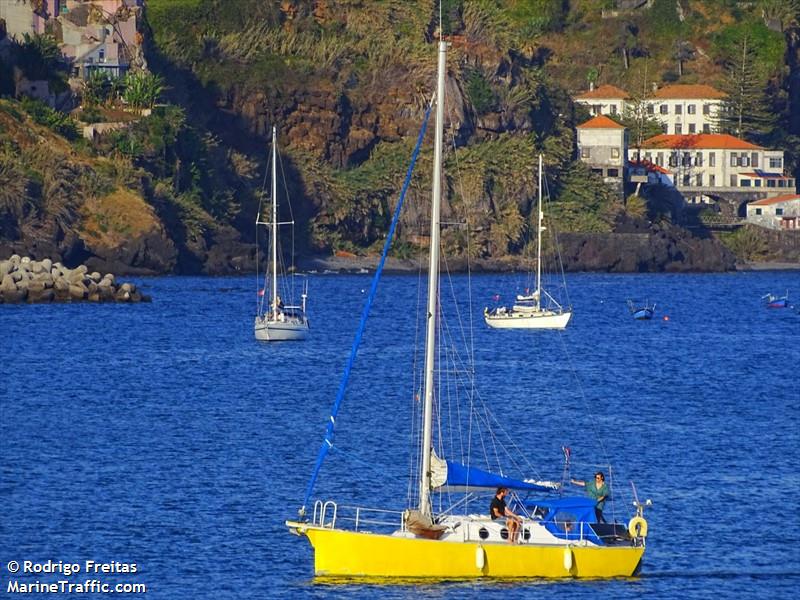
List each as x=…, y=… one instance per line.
x=637, y=527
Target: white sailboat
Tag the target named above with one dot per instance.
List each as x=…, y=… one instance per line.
x=539, y=310
x=353, y=541
x=276, y=321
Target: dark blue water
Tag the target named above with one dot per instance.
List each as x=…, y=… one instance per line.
x=164, y=434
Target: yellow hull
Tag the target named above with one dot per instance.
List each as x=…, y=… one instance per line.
x=347, y=553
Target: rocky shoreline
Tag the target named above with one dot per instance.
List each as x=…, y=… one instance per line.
x=23, y=280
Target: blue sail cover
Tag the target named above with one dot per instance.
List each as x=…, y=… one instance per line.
x=461, y=476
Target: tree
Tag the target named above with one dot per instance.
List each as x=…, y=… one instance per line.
x=637, y=117
x=783, y=12
x=96, y=87
x=39, y=56
x=142, y=90
x=744, y=111
x=683, y=51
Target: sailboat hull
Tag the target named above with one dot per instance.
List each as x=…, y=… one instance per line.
x=528, y=320
x=357, y=554
x=278, y=331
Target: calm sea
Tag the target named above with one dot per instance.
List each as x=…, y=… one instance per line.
x=164, y=435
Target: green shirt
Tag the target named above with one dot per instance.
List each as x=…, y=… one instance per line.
x=597, y=492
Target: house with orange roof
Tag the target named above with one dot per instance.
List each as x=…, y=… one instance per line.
x=686, y=109
x=604, y=100
x=778, y=212
x=603, y=145
x=681, y=108
x=706, y=164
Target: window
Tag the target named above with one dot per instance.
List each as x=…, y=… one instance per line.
x=678, y=109
x=692, y=128
x=699, y=180
x=584, y=152
x=664, y=128
x=664, y=109
x=706, y=109
x=712, y=159
x=102, y=54
x=648, y=157
x=775, y=163
x=615, y=153
x=651, y=109
x=781, y=183
x=673, y=159
x=678, y=129
x=758, y=211
x=757, y=182
x=791, y=183
x=734, y=159
x=660, y=159
x=686, y=179
x=778, y=212
x=613, y=109
x=754, y=159
x=744, y=160
x=744, y=183
x=691, y=109
x=686, y=159
x=770, y=183
x=612, y=172
x=698, y=159
x=597, y=109
x=706, y=128
x=712, y=180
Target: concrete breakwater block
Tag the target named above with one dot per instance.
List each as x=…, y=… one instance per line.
x=23, y=279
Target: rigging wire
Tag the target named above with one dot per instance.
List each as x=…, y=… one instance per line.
x=329, y=432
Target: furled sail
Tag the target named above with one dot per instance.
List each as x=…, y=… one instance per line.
x=455, y=476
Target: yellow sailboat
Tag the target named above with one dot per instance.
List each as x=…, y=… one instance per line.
x=559, y=537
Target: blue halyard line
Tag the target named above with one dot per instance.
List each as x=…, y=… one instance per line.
x=328, y=441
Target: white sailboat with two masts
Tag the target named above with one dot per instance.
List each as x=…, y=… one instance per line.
x=275, y=320
x=560, y=535
x=539, y=309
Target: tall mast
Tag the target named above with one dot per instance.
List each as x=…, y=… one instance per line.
x=274, y=224
x=539, y=243
x=433, y=289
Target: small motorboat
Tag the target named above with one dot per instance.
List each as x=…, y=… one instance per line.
x=773, y=301
x=643, y=311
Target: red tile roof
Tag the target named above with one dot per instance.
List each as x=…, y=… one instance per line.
x=600, y=122
x=604, y=91
x=693, y=92
x=649, y=166
x=775, y=200
x=711, y=141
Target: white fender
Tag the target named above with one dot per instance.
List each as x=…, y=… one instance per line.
x=568, y=559
x=480, y=558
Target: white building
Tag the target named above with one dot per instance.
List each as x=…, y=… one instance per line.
x=681, y=109
x=686, y=109
x=603, y=145
x=780, y=212
x=604, y=100
x=704, y=163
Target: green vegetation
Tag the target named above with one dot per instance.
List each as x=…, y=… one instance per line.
x=42, y=114
x=747, y=243
x=142, y=90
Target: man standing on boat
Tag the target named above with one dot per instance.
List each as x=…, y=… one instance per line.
x=596, y=489
x=498, y=509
